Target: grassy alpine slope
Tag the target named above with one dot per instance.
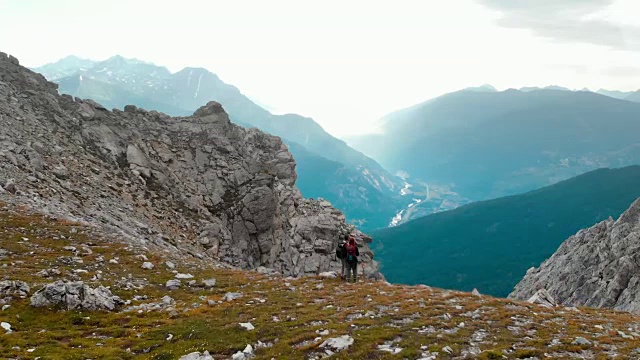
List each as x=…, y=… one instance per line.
x=292, y=317
x=489, y=245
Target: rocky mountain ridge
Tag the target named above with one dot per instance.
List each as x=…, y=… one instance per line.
x=198, y=184
x=596, y=267
x=360, y=187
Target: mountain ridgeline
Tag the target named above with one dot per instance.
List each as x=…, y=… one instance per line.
x=368, y=194
x=490, y=244
x=486, y=144
x=597, y=267
x=197, y=186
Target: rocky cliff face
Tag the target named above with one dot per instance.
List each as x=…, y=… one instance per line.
x=597, y=267
x=197, y=184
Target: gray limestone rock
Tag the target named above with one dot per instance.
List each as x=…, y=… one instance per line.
x=597, y=267
x=209, y=283
x=338, y=343
x=195, y=185
x=75, y=295
x=173, y=284
x=543, y=298
x=10, y=186
x=14, y=288
x=197, y=356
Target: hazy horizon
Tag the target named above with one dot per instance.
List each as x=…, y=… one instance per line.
x=345, y=64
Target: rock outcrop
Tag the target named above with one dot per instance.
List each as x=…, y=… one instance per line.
x=75, y=295
x=9, y=289
x=196, y=185
x=597, y=267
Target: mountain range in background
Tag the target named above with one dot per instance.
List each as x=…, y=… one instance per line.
x=487, y=144
x=474, y=144
x=489, y=245
x=328, y=168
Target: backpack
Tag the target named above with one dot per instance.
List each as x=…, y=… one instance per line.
x=351, y=254
x=341, y=251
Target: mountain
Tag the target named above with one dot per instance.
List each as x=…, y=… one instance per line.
x=67, y=66
x=485, y=145
x=633, y=96
x=129, y=234
x=117, y=82
x=197, y=185
x=596, y=267
x=482, y=88
x=550, y=87
x=489, y=245
x=617, y=94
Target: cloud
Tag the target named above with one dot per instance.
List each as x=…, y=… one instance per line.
x=623, y=71
x=579, y=21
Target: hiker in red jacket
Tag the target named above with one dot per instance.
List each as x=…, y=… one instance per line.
x=352, y=259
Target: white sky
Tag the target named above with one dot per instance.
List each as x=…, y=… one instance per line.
x=344, y=63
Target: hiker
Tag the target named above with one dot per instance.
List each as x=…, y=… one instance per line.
x=341, y=253
x=352, y=259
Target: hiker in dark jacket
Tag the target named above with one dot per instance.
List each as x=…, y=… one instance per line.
x=352, y=259
x=341, y=253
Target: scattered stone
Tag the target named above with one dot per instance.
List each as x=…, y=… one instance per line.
x=581, y=341
x=75, y=295
x=173, y=284
x=245, y=354
x=10, y=186
x=266, y=271
x=328, y=275
x=60, y=172
x=147, y=265
x=209, y=283
x=6, y=326
x=390, y=348
x=197, y=356
x=170, y=265
x=230, y=296
x=447, y=349
x=338, y=343
x=624, y=336
x=247, y=326
x=183, y=276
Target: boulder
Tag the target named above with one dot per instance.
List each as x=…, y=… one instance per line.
x=338, y=343
x=173, y=284
x=60, y=172
x=209, y=283
x=197, y=356
x=230, y=296
x=75, y=296
x=542, y=297
x=328, y=275
x=14, y=288
x=10, y=186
